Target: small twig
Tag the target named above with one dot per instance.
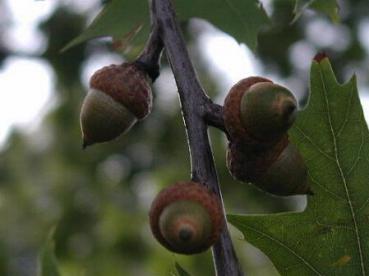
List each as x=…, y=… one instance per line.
x=213, y=116
x=195, y=107
x=149, y=59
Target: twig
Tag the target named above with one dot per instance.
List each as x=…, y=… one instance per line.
x=150, y=56
x=213, y=116
x=197, y=110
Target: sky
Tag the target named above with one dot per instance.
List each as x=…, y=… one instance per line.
x=27, y=84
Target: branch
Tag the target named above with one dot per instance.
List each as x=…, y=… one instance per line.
x=195, y=107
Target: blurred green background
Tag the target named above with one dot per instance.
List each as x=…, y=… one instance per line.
x=98, y=199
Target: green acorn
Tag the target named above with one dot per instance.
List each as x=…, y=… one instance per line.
x=259, y=111
x=267, y=110
x=120, y=95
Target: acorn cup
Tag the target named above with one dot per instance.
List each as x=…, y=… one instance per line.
x=257, y=116
x=120, y=95
x=186, y=218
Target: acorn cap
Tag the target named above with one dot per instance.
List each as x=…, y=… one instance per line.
x=248, y=164
x=232, y=110
x=186, y=218
x=127, y=84
x=267, y=110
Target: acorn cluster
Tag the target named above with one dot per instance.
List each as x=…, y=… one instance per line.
x=257, y=115
x=187, y=217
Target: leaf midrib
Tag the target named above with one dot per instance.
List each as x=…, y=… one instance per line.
x=334, y=140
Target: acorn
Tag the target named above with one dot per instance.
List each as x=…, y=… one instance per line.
x=186, y=218
x=120, y=95
x=257, y=116
x=259, y=111
x=280, y=171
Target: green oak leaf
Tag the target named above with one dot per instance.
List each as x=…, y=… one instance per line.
x=331, y=237
x=48, y=265
x=242, y=19
x=181, y=271
x=120, y=19
x=329, y=7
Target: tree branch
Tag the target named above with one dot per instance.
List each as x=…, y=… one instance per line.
x=196, y=108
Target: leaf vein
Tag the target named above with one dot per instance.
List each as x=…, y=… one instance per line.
x=349, y=107
x=293, y=252
x=356, y=161
x=314, y=145
x=337, y=226
x=316, y=182
x=364, y=205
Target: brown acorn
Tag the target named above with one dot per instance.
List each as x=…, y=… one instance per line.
x=186, y=218
x=120, y=95
x=257, y=115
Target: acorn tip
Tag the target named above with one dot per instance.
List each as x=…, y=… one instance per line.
x=85, y=144
x=185, y=234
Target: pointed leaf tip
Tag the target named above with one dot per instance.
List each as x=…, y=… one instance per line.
x=320, y=56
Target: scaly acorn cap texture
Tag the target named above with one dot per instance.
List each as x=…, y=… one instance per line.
x=258, y=111
x=186, y=218
x=119, y=96
x=249, y=164
x=279, y=171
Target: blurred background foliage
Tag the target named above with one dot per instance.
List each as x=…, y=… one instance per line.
x=98, y=199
